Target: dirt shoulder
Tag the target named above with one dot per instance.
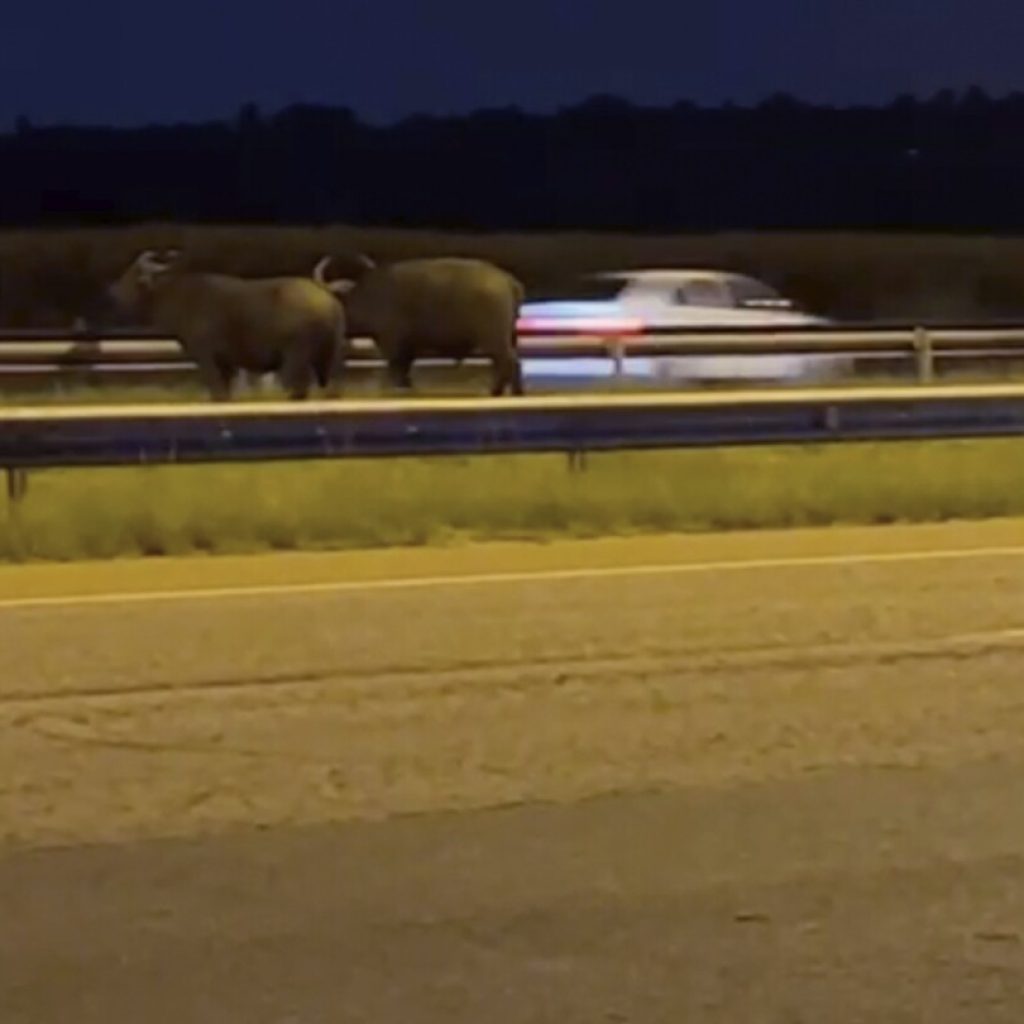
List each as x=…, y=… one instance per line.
x=291, y=707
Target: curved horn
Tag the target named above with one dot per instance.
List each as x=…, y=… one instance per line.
x=151, y=266
x=320, y=271
x=341, y=286
x=364, y=261
x=151, y=262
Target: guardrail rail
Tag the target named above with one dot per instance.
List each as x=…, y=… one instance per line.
x=126, y=354
x=50, y=437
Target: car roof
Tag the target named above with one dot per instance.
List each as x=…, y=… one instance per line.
x=672, y=274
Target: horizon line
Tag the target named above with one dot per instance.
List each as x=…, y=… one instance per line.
x=22, y=122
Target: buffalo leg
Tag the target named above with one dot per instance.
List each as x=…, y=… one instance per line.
x=327, y=368
x=516, y=375
x=297, y=383
x=298, y=392
x=323, y=367
x=400, y=372
x=216, y=378
x=297, y=372
x=506, y=373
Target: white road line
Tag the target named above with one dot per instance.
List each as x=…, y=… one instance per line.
x=539, y=576
x=995, y=636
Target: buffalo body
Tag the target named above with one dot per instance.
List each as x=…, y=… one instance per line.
x=289, y=326
x=446, y=307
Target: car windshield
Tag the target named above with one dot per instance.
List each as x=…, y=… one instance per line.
x=706, y=291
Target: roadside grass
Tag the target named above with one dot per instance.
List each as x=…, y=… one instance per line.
x=87, y=514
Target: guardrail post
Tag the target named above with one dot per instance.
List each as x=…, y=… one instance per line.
x=577, y=460
x=925, y=355
x=17, y=485
x=616, y=349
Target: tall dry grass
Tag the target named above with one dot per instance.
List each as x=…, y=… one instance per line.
x=76, y=514
x=48, y=277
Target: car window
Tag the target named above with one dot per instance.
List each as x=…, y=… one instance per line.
x=705, y=291
x=747, y=290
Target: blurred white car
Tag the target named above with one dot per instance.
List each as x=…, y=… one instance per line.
x=625, y=302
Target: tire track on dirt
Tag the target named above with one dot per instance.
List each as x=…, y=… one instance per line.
x=63, y=719
x=404, y=682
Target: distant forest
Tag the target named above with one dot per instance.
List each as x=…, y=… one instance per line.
x=954, y=162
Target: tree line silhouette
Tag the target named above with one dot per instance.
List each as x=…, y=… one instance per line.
x=954, y=161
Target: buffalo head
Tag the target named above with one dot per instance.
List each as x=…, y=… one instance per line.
x=134, y=289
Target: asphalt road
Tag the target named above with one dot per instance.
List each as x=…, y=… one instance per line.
x=772, y=778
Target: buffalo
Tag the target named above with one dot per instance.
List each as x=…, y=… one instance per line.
x=442, y=307
x=289, y=326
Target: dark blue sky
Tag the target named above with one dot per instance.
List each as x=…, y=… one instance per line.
x=130, y=62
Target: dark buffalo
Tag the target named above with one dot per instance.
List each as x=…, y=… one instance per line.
x=442, y=307
x=289, y=326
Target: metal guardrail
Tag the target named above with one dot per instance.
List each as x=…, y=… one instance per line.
x=39, y=354
x=38, y=437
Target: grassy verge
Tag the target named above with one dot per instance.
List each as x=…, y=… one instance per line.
x=178, y=510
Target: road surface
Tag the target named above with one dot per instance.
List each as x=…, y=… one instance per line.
x=773, y=777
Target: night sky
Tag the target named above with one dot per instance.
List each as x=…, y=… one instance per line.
x=100, y=61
